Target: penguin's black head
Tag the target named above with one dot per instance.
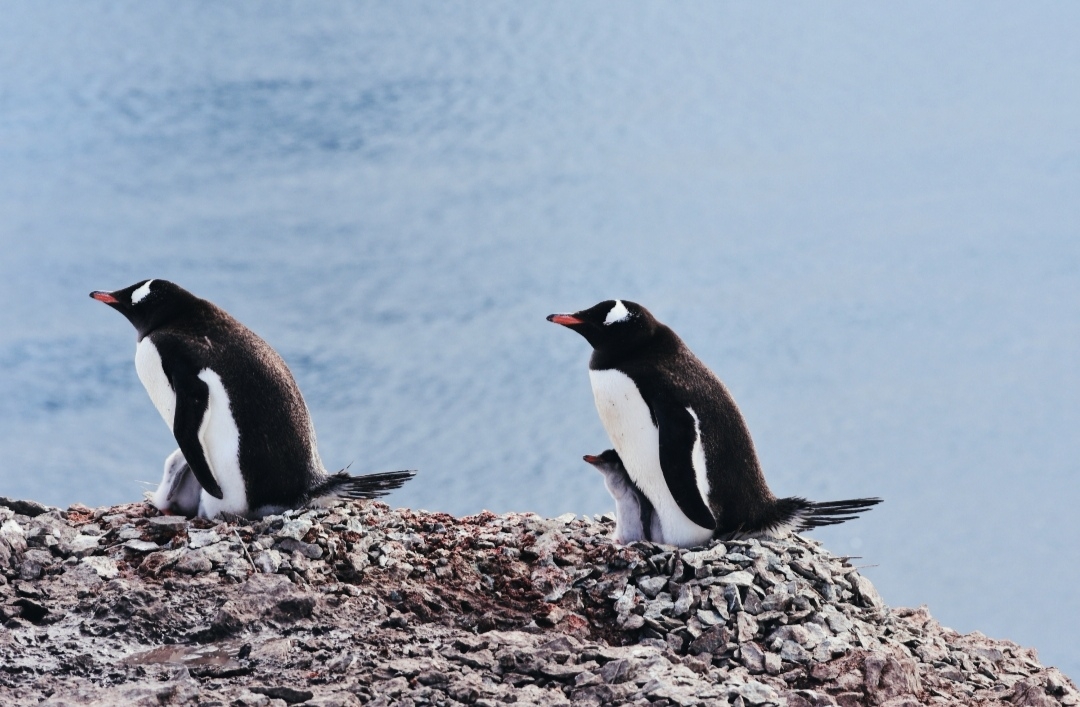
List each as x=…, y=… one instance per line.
x=611, y=325
x=147, y=304
x=608, y=458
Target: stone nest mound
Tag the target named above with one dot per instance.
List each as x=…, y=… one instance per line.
x=360, y=604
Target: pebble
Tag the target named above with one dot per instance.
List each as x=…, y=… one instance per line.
x=104, y=567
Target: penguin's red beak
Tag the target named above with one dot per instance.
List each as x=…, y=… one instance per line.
x=564, y=319
x=104, y=297
x=591, y=459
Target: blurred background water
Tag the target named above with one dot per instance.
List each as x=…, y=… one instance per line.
x=864, y=217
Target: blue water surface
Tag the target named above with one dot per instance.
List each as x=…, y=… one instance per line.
x=863, y=216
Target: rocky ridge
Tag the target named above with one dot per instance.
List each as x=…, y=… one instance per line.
x=360, y=604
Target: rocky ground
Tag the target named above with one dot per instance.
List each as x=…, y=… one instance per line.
x=361, y=604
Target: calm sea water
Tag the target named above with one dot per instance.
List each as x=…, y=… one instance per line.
x=864, y=218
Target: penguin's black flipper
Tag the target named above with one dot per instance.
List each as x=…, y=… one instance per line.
x=192, y=403
x=677, y=437
x=345, y=485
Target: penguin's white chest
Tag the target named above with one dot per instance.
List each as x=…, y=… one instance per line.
x=626, y=417
x=152, y=374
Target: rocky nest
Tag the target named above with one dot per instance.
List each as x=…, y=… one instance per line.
x=361, y=604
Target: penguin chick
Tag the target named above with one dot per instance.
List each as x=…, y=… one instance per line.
x=179, y=491
x=634, y=517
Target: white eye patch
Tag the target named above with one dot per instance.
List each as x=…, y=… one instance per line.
x=138, y=295
x=618, y=313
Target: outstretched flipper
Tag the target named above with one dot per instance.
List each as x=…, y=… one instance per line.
x=345, y=485
x=192, y=404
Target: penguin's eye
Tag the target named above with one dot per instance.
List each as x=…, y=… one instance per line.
x=617, y=313
x=141, y=292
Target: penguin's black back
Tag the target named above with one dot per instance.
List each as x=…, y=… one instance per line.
x=663, y=368
x=277, y=452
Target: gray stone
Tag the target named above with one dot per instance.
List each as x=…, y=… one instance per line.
x=756, y=693
x=890, y=675
x=753, y=657
x=83, y=545
x=267, y=561
x=202, y=538
x=708, y=617
x=865, y=592
x=835, y=619
x=296, y=529
x=104, y=567
x=308, y=550
x=746, y=626
x=732, y=599
x=651, y=586
x=194, y=562
x=684, y=601
x=26, y=508
x=792, y=652
x=741, y=578
x=615, y=672
x=713, y=640
x=830, y=648
x=699, y=558
x=167, y=523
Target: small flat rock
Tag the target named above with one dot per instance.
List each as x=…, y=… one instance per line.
x=698, y=558
x=141, y=546
x=741, y=578
x=202, y=538
x=168, y=521
x=651, y=586
x=615, y=671
x=792, y=652
x=308, y=550
x=104, y=567
x=82, y=545
x=708, y=617
x=295, y=529
x=194, y=563
x=753, y=657
x=288, y=694
x=710, y=641
x=865, y=591
x=756, y=693
x=564, y=673
x=27, y=508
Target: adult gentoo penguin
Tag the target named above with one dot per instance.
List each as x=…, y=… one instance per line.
x=244, y=431
x=680, y=435
x=634, y=516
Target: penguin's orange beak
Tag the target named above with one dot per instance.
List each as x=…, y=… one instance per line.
x=564, y=319
x=103, y=297
x=591, y=459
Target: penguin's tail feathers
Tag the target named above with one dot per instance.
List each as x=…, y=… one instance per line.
x=345, y=485
x=799, y=514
